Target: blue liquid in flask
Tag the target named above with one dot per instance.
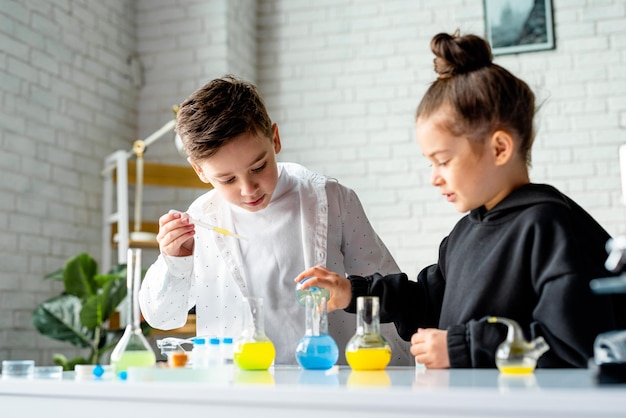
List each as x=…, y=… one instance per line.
x=317, y=352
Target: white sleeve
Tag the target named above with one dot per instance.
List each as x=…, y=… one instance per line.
x=167, y=292
x=364, y=251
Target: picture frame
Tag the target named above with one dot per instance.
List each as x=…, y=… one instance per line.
x=517, y=26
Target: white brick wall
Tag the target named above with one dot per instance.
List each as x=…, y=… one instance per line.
x=66, y=102
x=181, y=46
x=341, y=78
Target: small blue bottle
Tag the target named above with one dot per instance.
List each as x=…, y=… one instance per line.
x=316, y=350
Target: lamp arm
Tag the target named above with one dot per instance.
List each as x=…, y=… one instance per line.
x=149, y=140
x=158, y=134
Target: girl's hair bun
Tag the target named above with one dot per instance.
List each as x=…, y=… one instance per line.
x=455, y=54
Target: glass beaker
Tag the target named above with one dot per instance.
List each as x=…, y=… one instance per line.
x=133, y=349
x=316, y=350
x=253, y=350
x=368, y=349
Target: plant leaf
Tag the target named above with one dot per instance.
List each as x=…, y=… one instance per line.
x=59, y=318
x=99, y=308
x=60, y=360
x=91, y=312
x=79, y=275
x=55, y=275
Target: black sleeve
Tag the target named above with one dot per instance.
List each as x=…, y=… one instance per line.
x=408, y=304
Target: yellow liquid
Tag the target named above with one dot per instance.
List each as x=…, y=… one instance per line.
x=369, y=358
x=134, y=359
x=516, y=369
x=257, y=355
x=368, y=378
x=253, y=377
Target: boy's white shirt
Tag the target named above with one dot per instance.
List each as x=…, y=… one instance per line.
x=310, y=220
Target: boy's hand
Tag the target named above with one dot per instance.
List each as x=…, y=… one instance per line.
x=175, y=235
x=430, y=348
x=339, y=287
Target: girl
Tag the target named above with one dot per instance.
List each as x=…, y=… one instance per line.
x=524, y=251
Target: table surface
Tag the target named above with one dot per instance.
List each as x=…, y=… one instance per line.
x=285, y=391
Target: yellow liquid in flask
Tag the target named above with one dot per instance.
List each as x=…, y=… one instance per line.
x=369, y=358
x=256, y=355
x=516, y=369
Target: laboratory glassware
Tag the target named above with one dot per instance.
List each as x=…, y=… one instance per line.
x=316, y=350
x=200, y=353
x=133, y=349
x=368, y=349
x=315, y=291
x=516, y=355
x=253, y=350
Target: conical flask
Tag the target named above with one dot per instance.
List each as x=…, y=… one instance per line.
x=253, y=350
x=316, y=350
x=368, y=349
x=515, y=355
x=133, y=349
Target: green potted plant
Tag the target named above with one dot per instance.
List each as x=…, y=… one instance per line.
x=80, y=314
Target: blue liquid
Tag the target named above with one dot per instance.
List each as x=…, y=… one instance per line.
x=317, y=352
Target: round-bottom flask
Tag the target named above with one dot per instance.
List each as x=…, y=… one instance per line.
x=253, y=350
x=133, y=349
x=316, y=350
x=368, y=349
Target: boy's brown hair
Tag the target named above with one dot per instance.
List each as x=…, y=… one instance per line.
x=218, y=112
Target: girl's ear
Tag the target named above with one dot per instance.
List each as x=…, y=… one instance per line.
x=503, y=147
x=198, y=171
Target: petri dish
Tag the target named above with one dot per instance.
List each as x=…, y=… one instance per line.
x=18, y=369
x=49, y=372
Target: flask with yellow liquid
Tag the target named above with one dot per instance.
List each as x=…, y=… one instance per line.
x=253, y=350
x=133, y=349
x=368, y=349
x=516, y=356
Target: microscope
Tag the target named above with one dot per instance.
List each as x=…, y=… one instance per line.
x=609, y=348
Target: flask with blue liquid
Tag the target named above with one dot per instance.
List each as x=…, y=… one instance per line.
x=316, y=350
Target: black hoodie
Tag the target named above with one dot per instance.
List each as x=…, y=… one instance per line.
x=530, y=259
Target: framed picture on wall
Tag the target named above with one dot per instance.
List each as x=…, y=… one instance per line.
x=515, y=26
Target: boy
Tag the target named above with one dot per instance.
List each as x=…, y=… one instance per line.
x=292, y=219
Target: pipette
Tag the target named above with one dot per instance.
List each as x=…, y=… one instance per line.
x=209, y=226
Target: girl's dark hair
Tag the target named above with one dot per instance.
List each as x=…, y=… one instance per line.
x=218, y=112
x=483, y=96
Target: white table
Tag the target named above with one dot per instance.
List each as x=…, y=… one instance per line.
x=290, y=392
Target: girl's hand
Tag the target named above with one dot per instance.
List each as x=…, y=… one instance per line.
x=430, y=348
x=339, y=287
x=175, y=235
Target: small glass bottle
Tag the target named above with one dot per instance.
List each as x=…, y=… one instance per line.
x=200, y=353
x=227, y=350
x=133, y=349
x=253, y=350
x=316, y=350
x=368, y=349
x=214, y=353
